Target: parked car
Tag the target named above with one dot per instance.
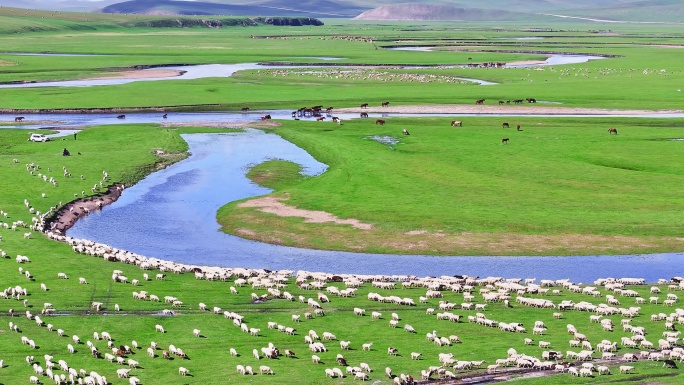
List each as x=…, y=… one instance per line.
x=38, y=138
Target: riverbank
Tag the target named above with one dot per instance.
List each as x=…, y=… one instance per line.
x=70, y=213
x=525, y=109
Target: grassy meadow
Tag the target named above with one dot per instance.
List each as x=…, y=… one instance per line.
x=561, y=186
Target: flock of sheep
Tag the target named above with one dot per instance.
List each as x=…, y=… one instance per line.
x=604, y=299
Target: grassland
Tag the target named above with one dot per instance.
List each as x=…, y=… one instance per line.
x=133, y=148
x=559, y=176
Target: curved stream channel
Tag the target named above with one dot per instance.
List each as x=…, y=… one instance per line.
x=172, y=215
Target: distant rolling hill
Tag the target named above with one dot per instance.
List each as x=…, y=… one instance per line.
x=308, y=8
x=436, y=12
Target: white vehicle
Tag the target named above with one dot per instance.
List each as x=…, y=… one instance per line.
x=38, y=138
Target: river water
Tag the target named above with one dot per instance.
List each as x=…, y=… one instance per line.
x=172, y=215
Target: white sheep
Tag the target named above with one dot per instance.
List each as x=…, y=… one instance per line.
x=183, y=371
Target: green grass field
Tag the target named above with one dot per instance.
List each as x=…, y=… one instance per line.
x=561, y=186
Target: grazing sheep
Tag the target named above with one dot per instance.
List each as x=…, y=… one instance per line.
x=367, y=346
x=415, y=356
x=265, y=370
x=159, y=328
x=233, y=352
x=196, y=332
x=315, y=359
x=183, y=371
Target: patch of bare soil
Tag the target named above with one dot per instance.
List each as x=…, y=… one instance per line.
x=258, y=124
x=139, y=74
x=275, y=206
x=526, y=109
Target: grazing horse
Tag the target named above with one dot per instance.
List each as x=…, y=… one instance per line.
x=385, y=104
x=380, y=122
x=19, y=118
x=266, y=117
x=165, y=116
x=244, y=109
x=531, y=100
x=504, y=140
x=479, y=101
x=501, y=102
x=612, y=131
x=364, y=115
x=518, y=127
x=455, y=123
x=405, y=132
x=337, y=120
x=505, y=125
x=121, y=117
x=364, y=105
x=321, y=118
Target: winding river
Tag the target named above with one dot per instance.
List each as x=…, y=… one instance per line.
x=171, y=214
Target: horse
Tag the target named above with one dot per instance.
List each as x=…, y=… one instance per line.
x=479, y=101
x=531, y=100
x=380, y=122
x=612, y=131
x=165, y=116
x=244, y=109
x=337, y=120
x=518, y=127
x=321, y=118
x=385, y=104
x=405, y=132
x=121, y=117
x=501, y=102
x=364, y=115
x=505, y=125
x=455, y=123
x=504, y=140
x=364, y=105
x=19, y=118
x=266, y=117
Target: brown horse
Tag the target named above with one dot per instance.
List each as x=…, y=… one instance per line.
x=385, y=104
x=455, y=123
x=504, y=140
x=121, y=117
x=364, y=115
x=518, y=127
x=244, y=109
x=165, y=116
x=364, y=105
x=19, y=118
x=479, y=101
x=266, y=117
x=612, y=131
x=505, y=125
x=321, y=118
x=380, y=122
